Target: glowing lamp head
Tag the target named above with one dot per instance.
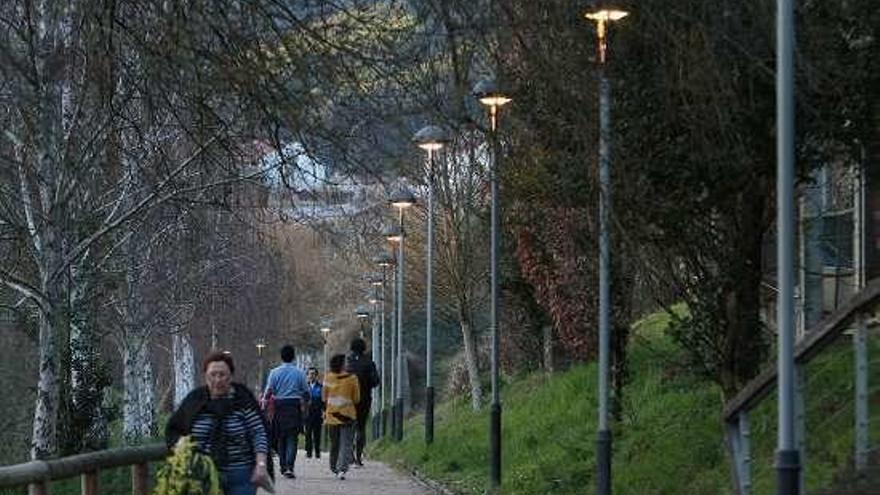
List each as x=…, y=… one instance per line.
x=488, y=93
x=392, y=233
x=431, y=138
x=383, y=259
x=362, y=312
x=606, y=15
x=402, y=198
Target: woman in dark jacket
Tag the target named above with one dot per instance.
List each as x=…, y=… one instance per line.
x=224, y=420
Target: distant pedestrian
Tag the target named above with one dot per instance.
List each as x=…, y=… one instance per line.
x=287, y=383
x=315, y=417
x=368, y=378
x=224, y=420
x=341, y=395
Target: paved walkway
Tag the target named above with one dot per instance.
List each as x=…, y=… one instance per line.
x=313, y=477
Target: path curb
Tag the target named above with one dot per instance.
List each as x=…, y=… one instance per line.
x=430, y=484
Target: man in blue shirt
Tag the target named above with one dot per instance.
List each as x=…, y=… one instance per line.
x=288, y=384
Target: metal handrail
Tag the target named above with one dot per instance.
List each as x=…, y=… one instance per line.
x=37, y=474
x=818, y=338
x=853, y=315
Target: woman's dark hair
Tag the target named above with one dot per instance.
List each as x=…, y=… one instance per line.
x=219, y=356
x=358, y=345
x=288, y=353
x=337, y=362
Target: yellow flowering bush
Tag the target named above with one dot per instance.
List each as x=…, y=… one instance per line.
x=188, y=472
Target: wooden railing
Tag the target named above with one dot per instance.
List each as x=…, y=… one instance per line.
x=38, y=475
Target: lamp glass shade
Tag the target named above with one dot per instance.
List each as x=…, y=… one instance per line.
x=605, y=15
x=402, y=198
x=431, y=138
x=488, y=93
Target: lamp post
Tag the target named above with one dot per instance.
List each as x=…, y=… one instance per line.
x=490, y=96
x=430, y=139
x=325, y=333
x=383, y=260
x=374, y=298
x=393, y=235
x=260, y=345
x=362, y=313
x=788, y=464
x=400, y=199
x=603, y=441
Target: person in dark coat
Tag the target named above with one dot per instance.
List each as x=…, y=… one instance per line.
x=224, y=420
x=288, y=384
x=315, y=417
x=368, y=378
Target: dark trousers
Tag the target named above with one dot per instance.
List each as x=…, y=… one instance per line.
x=313, y=438
x=363, y=416
x=340, y=446
x=288, y=424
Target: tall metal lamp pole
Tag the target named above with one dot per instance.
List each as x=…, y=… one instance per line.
x=603, y=441
x=430, y=139
x=491, y=97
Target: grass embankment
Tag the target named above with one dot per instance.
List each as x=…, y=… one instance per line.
x=669, y=440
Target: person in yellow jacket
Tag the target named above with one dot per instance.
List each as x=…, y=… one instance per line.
x=341, y=393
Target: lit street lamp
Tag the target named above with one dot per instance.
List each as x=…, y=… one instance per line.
x=430, y=139
x=325, y=333
x=400, y=199
x=490, y=96
x=362, y=312
x=374, y=297
x=260, y=344
x=603, y=439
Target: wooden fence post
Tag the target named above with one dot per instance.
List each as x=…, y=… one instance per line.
x=139, y=473
x=39, y=488
x=89, y=483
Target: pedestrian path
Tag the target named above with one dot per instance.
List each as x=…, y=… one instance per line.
x=313, y=477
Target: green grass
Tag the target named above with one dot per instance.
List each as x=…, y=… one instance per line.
x=669, y=439
x=670, y=432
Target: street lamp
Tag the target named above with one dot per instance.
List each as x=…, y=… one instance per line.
x=260, y=345
x=362, y=312
x=602, y=18
x=400, y=199
x=384, y=260
x=374, y=297
x=488, y=93
x=430, y=139
x=325, y=333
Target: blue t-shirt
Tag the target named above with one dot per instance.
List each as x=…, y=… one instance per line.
x=287, y=381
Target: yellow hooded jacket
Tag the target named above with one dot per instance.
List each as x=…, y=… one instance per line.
x=341, y=393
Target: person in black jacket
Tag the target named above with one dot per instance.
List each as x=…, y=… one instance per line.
x=315, y=416
x=224, y=420
x=368, y=378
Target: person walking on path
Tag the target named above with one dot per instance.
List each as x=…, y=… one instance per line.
x=341, y=394
x=368, y=378
x=315, y=417
x=224, y=420
x=287, y=383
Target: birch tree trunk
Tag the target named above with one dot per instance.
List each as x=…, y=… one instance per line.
x=547, y=341
x=470, y=357
x=184, y=365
